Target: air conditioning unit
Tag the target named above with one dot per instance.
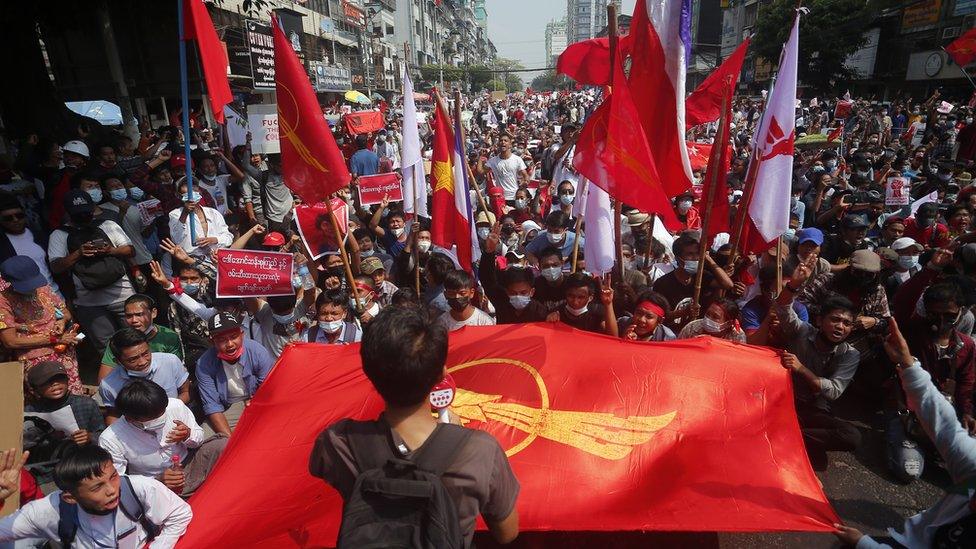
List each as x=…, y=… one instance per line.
x=950, y=32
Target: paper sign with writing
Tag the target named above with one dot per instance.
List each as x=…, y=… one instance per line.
x=315, y=227
x=372, y=188
x=149, y=210
x=897, y=191
x=249, y=273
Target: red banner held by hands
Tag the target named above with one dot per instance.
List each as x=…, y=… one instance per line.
x=364, y=122
x=248, y=273
x=373, y=188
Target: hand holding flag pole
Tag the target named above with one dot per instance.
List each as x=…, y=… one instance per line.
x=185, y=98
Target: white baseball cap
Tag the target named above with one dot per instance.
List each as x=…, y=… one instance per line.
x=77, y=147
x=906, y=242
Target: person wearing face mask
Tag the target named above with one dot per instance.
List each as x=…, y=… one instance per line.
x=511, y=291
x=837, y=248
x=925, y=229
x=152, y=430
x=191, y=294
x=679, y=284
x=137, y=361
x=459, y=290
x=483, y=224
x=230, y=373
x=390, y=231
x=267, y=200
x=550, y=285
x=128, y=217
x=140, y=314
x=366, y=306
x=556, y=235
x=686, y=211
x=214, y=187
x=565, y=195
x=210, y=227
x=282, y=318
x=369, y=248
x=905, y=266
x=581, y=313
x=721, y=320
x=95, y=253
x=524, y=206
x=332, y=325
x=373, y=268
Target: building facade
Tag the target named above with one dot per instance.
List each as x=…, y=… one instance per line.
x=555, y=39
x=585, y=18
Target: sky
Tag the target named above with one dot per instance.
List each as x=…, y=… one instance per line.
x=518, y=28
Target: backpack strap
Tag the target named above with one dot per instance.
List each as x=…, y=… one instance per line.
x=349, y=332
x=134, y=509
x=439, y=451
x=67, y=522
x=371, y=443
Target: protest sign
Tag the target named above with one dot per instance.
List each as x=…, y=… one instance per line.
x=315, y=227
x=897, y=190
x=248, y=273
x=372, y=188
x=149, y=210
x=364, y=122
x=263, y=122
x=11, y=420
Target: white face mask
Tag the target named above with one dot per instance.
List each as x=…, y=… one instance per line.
x=153, y=424
x=577, y=312
x=483, y=232
x=423, y=246
x=283, y=319
x=555, y=238
x=684, y=206
x=552, y=274
x=713, y=327
x=566, y=199
x=330, y=326
x=397, y=232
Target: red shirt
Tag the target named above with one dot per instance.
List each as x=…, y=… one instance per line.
x=934, y=236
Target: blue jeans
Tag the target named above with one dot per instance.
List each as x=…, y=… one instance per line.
x=906, y=460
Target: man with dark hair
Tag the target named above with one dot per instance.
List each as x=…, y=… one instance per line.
x=679, y=284
x=404, y=356
x=140, y=314
x=579, y=310
x=91, y=492
x=459, y=291
x=757, y=322
x=230, y=372
x=267, y=200
x=132, y=352
x=822, y=364
x=363, y=161
x=332, y=324
x=550, y=286
x=16, y=238
x=556, y=235
x=438, y=266
x=511, y=290
x=152, y=430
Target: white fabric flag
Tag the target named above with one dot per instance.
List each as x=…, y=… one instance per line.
x=411, y=160
x=931, y=197
x=579, y=201
x=770, y=207
x=661, y=234
x=492, y=118
x=598, y=244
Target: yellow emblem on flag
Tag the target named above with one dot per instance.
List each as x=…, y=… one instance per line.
x=443, y=176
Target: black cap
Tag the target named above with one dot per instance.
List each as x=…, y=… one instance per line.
x=78, y=202
x=42, y=372
x=854, y=222
x=221, y=322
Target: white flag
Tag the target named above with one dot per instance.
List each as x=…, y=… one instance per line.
x=492, y=118
x=598, y=244
x=411, y=160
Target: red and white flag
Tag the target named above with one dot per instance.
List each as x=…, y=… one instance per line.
x=213, y=57
x=837, y=132
x=769, y=210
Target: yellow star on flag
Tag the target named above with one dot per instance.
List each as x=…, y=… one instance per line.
x=442, y=174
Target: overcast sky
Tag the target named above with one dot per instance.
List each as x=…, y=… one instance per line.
x=518, y=28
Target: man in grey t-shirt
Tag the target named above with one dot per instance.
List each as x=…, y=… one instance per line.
x=267, y=200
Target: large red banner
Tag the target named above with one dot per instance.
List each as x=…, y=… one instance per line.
x=364, y=122
x=372, y=188
x=247, y=273
x=603, y=435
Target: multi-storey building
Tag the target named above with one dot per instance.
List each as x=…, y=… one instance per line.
x=555, y=39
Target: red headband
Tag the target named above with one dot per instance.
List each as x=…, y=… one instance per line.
x=364, y=288
x=651, y=307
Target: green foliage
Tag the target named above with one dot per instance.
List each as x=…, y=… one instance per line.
x=550, y=81
x=828, y=34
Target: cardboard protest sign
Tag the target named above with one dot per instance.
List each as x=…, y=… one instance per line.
x=316, y=230
x=372, y=188
x=249, y=273
x=11, y=419
x=897, y=191
x=149, y=210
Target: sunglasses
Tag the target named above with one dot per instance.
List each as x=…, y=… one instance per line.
x=13, y=217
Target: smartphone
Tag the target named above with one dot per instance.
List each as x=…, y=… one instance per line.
x=98, y=243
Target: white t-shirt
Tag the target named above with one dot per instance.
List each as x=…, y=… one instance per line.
x=140, y=452
x=24, y=244
x=563, y=170
x=236, y=391
x=39, y=519
x=217, y=189
x=479, y=318
x=506, y=173
x=119, y=291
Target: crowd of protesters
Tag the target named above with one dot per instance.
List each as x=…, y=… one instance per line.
x=108, y=295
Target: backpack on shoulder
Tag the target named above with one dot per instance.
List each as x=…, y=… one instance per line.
x=94, y=272
x=401, y=503
x=129, y=504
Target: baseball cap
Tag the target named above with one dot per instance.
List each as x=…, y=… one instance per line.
x=636, y=218
x=866, y=260
x=22, y=273
x=906, y=242
x=811, y=234
x=274, y=239
x=221, y=322
x=78, y=202
x=370, y=265
x=77, y=147
x=894, y=219
x=42, y=372
x=854, y=222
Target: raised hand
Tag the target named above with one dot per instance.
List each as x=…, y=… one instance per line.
x=10, y=464
x=174, y=250
x=896, y=347
x=157, y=274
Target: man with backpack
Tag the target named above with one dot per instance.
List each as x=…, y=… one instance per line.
x=97, y=507
x=461, y=472
x=95, y=253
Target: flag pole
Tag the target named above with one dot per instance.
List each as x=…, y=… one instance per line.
x=185, y=97
x=779, y=264
x=413, y=181
x=961, y=68
x=714, y=166
x=340, y=238
x=579, y=223
x=464, y=156
x=617, y=204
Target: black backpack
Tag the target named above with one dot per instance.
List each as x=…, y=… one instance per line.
x=401, y=503
x=129, y=504
x=93, y=272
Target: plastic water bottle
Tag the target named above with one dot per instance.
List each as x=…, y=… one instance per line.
x=177, y=465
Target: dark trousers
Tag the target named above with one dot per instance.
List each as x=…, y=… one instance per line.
x=823, y=432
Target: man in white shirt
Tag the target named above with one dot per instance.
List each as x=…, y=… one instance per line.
x=216, y=185
x=94, y=252
x=562, y=167
x=508, y=169
x=91, y=488
x=459, y=290
x=154, y=433
x=209, y=228
x=17, y=239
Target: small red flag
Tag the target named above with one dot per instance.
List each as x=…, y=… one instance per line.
x=718, y=169
x=213, y=57
x=312, y=164
x=962, y=50
x=836, y=133
x=588, y=61
x=612, y=152
x=705, y=103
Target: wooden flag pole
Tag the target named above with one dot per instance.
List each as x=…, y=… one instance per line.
x=714, y=167
x=464, y=155
x=779, y=264
x=617, y=204
x=342, y=254
x=416, y=196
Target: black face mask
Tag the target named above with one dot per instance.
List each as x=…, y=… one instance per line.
x=458, y=304
x=82, y=219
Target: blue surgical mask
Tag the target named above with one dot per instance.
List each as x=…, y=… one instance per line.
x=483, y=232
x=143, y=374
x=519, y=302
x=118, y=194
x=95, y=194
x=690, y=267
x=283, y=319
x=191, y=288
x=330, y=326
x=367, y=253
x=566, y=199
x=521, y=203
x=136, y=193
x=790, y=234
x=552, y=274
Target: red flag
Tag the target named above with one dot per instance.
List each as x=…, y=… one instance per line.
x=588, y=61
x=311, y=161
x=364, y=122
x=699, y=154
x=612, y=152
x=213, y=57
x=705, y=103
x=836, y=133
x=654, y=437
x=963, y=49
x=718, y=169
x=450, y=214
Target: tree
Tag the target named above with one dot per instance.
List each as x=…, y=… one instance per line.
x=829, y=33
x=550, y=81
